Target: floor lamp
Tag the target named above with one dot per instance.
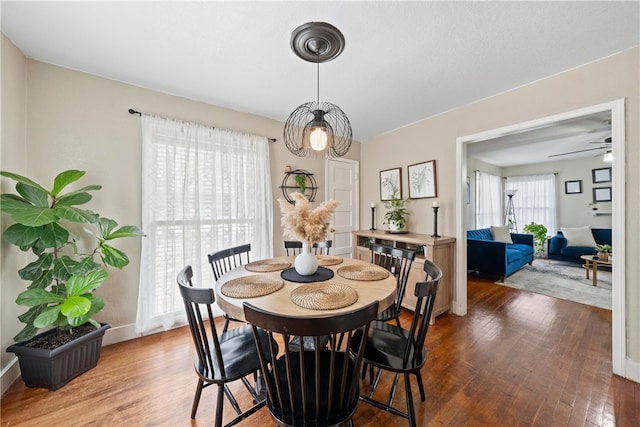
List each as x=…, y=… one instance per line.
x=509, y=213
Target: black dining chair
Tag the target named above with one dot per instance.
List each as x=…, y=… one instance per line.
x=225, y=260
x=318, y=387
x=398, y=261
x=294, y=247
x=220, y=359
x=392, y=348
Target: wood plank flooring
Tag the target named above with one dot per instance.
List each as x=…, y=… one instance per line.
x=516, y=359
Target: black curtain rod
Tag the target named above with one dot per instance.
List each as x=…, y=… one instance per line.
x=132, y=111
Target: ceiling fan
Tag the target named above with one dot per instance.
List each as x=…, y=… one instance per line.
x=606, y=146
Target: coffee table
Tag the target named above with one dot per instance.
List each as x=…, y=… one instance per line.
x=592, y=264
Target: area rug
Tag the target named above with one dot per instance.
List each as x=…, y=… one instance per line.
x=564, y=281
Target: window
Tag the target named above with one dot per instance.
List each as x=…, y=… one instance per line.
x=535, y=200
x=204, y=189
x=488, y=200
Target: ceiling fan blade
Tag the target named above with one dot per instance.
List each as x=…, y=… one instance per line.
x=578, y=151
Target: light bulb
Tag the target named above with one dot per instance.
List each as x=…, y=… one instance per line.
x=318, y=139
x=608, y=157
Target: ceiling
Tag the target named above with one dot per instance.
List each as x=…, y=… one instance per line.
x=403, y=61
x=567, y=140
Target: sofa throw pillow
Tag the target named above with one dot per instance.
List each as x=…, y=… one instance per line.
x=579, y=236
x=500, y=233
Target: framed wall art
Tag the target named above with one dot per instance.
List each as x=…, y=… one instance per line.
x=390, y=184
x=573, y=187
x=422, y=180
x=602, y=194
x=601, y=175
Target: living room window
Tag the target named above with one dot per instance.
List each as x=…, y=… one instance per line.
x=204, y=189
x=488, y=200
x=535, y=200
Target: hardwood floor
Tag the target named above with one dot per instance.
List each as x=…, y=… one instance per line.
x=516, y=359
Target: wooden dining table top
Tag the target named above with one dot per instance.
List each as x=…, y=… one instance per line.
x=280, y=301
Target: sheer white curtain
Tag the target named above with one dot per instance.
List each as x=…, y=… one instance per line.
x=488, y=200
x=535, y=200
x=203, y=189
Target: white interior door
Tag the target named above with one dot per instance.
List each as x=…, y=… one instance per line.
x=342, y=184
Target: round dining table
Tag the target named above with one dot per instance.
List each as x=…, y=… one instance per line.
x=273, y=285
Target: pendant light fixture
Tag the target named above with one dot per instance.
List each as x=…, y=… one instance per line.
x=317, y=128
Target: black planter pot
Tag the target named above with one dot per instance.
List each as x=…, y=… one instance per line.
x=54, y=368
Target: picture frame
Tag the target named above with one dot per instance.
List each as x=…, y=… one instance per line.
x=422, y=180
x=573, y=187
x=601, y=194
x=601, y=175
x=390, y=183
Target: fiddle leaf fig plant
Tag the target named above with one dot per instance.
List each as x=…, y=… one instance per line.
x=63, y=277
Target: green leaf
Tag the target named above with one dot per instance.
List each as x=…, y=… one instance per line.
x=78, y=285
x=11, y=203
x=33, y=270
x=29, y=315
x=113, y=257
x=43, y=281
x=53, y=235
x=77, y=321
x=125, y=231
x=26, y=333
x=33, y=297
x=97, y=304
x=48, y=317
x=22, y=235
x=75, y=306
x=65, y=178
x=34, y=195
x=78, y=197
x=33, y=216
x=22, y=179
x=73, y=214
x=105, y=225
x=73, y=199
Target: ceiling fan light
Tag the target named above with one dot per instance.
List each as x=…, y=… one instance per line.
x=608, y=157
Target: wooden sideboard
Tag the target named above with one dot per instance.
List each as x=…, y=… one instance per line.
x=439, y=250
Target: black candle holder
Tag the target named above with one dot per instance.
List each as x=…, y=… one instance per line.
x=435, y=222
x=373, y=216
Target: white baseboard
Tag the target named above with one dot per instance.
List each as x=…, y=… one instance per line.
x=632, y=370
x=9, y=375
x=118, y=334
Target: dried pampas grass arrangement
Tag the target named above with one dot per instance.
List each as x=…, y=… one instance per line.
x=301, y=222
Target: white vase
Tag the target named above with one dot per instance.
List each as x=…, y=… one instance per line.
x=393, y=226
x=306, y=263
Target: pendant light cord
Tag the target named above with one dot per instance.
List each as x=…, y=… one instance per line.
x=318, y=79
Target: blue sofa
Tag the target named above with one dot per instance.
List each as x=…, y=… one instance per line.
x=557, y=246
x=503, y=259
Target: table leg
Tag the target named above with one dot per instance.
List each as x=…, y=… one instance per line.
x=595, y=273
x=587, y=266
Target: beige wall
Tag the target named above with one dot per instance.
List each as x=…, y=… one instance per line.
x=606, y=80
x=12, y=154
x=56, y=119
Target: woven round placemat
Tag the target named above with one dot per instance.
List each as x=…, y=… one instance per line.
x=251, y=286
x=329, y=260
x=267, y=265
x=363, y=272
x=324, y=296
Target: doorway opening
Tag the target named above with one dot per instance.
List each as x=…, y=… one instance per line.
x=617, y=111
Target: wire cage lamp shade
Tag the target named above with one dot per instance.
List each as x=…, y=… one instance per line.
x=317, y=128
